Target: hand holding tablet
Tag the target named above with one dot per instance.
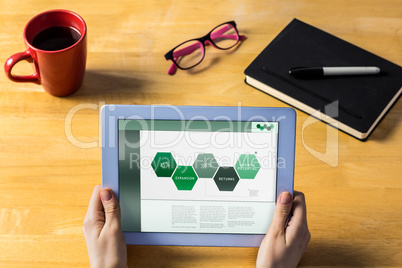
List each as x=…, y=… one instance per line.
x=283, y=246
x=286, y=241
x=102, y=230
x=203, y=176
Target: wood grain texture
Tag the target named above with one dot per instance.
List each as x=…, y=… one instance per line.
x=47, y=176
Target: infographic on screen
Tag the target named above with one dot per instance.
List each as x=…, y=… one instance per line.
x=198, y=177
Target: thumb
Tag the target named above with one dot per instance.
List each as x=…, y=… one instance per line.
x=282, y=210
x=111, y=207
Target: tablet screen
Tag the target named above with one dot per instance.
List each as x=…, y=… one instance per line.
x=197, y=176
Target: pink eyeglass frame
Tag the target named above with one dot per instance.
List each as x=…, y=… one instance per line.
x=205, y=40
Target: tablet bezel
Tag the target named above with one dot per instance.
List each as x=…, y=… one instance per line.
x=109, y=116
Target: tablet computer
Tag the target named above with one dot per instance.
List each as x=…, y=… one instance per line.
x=197, y=175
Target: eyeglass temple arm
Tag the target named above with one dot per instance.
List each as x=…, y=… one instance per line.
x=190, y=49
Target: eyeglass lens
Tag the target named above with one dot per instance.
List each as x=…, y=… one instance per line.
x=225, y=36
x=188, y=54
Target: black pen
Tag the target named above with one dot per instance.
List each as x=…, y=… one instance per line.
x=305, y=72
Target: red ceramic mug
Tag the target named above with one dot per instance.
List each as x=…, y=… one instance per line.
x=57, y=47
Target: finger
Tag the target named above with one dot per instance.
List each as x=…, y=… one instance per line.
x=299, y=209
x=111, y=207
x=282, y=210
x=297, y=228
x=94, y=219
x=95, y=204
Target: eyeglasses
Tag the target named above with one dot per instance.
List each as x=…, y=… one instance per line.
x=190, y=53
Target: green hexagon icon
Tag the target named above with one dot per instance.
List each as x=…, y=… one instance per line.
x=247, y=166
x=184, y=178
x=163, y=164
x=205, y=165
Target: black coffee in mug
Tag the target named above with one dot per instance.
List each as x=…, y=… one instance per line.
x=56, y=38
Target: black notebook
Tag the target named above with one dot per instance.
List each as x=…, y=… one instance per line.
x=355, y=103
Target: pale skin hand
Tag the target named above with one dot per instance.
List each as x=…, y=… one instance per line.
x=284, y=245
x=102, y=230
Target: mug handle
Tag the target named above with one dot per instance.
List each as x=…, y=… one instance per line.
x=11, y=61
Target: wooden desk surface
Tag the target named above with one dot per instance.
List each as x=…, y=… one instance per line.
x=46, y=177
